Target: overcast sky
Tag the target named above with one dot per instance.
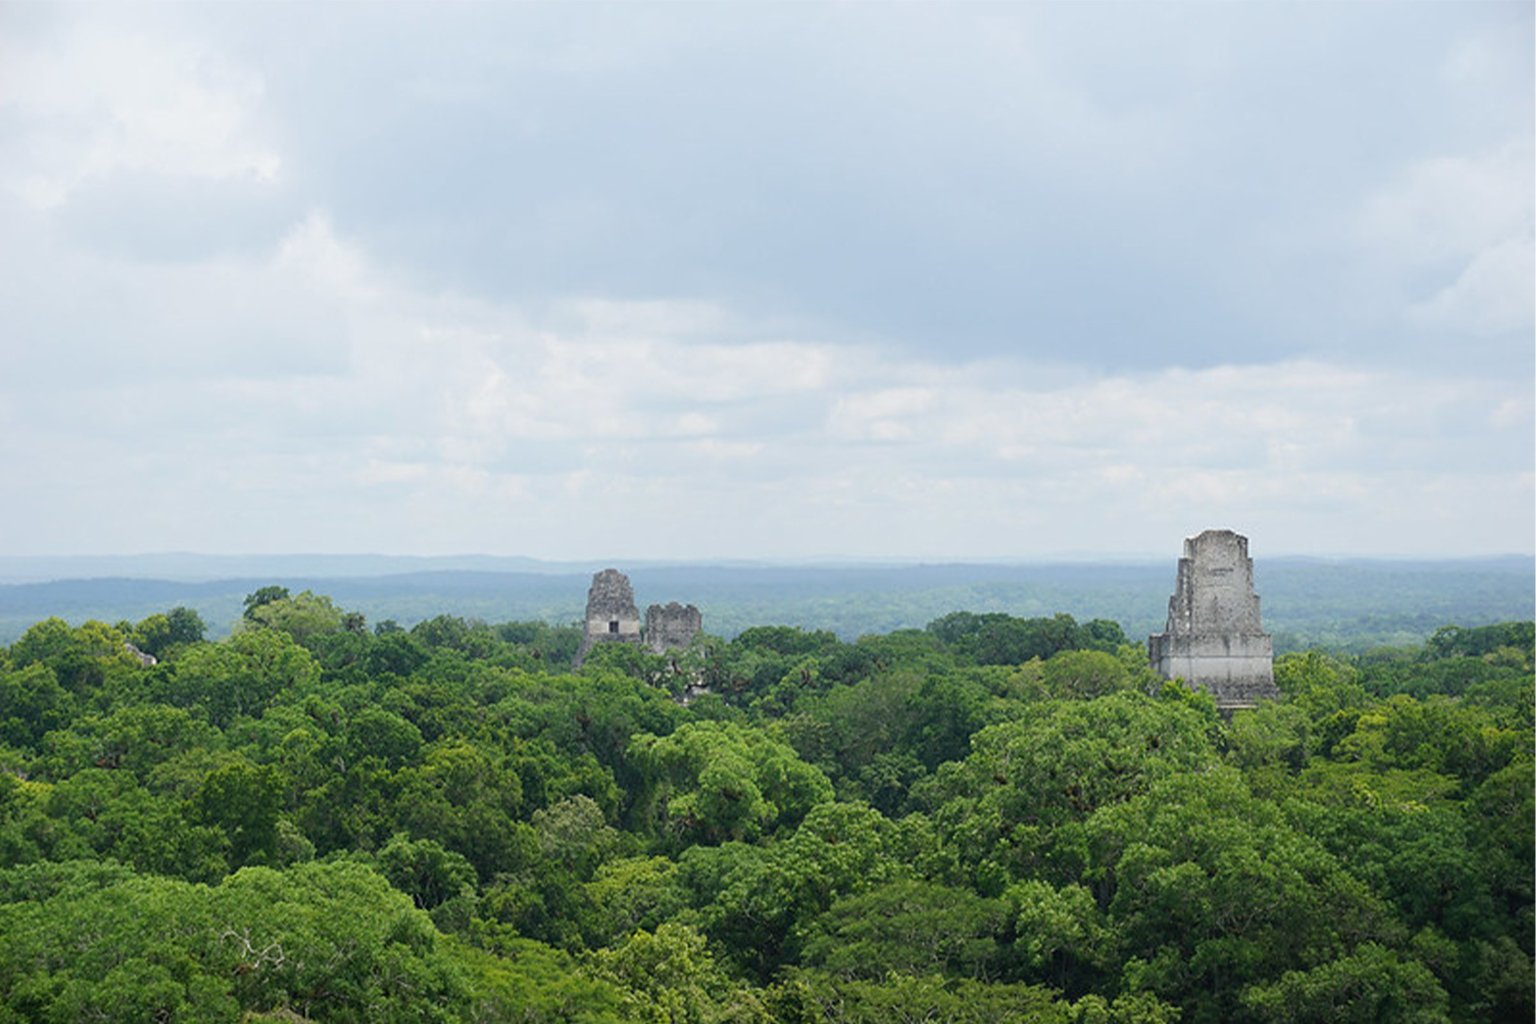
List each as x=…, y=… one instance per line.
x=782, y=281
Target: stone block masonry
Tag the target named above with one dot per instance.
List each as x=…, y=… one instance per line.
x=1214, y=639
x=671, y=626
x=611, y=613
x=612, y=617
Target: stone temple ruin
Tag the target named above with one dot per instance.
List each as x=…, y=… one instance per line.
x=670, y=626
x=1213, y=640
x=612, y=617
x=611, y=613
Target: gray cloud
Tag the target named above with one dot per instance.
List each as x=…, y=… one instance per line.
x=1023, y=181
x=772, y=280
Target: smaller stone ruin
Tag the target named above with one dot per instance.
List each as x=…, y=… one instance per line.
x=671, y=626
x=1214, y=640
x=143, y=657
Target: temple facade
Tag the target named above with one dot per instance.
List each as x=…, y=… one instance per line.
x=613, y=617
x=1214, y=639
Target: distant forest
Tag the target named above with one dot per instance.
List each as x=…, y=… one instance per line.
x=1345, y=606
x=993, y=818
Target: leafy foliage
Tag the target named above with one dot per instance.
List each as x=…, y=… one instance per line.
x=991, y=819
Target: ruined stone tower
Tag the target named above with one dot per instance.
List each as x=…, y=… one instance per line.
x=611, y=613
x=1214, y=640
x=671, y=626
x=612, y=617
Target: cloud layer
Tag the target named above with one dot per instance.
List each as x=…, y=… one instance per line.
x=901, y=282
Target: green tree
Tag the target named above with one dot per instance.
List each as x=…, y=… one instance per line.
x=670, y=977
x=573, y=834
x=83, y=659
x=812, y=996
x=32, y=703
x=632, y=893
x=1085, y=675
x=163, y=632
x=1011, y=808
x=1060, y=934
x=101, y=813
x=465, y=795
x=908, y=927
x=238, y=677
x=244, y=800
x=1208, y=890
x=138, y=738
x=374, y=732
x=304, y=616
x=750, y=900
x=426, y=872
x=1454, y=641
x=716, y=781
x=1371, y=986
x=262, y=597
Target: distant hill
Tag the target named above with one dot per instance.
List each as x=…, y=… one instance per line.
x=1341, y=604
x=190, y=567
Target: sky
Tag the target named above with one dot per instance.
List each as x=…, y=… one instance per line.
x=766, y=281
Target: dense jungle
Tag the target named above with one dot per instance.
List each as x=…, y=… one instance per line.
x=989, y=819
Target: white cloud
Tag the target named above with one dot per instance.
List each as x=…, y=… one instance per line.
x=101, y=103
x=1449, y=208
x=952, y=283
x=454, y=424
x=886, y=414
x=311, y=252
x=1494, y=294
x=1457, y=232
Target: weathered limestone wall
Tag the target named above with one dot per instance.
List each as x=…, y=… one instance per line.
x=611, y=613
x=671, y=626
x=612, y=617
x=1214, y=639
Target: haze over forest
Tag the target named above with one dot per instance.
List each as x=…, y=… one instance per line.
x=1339, y=605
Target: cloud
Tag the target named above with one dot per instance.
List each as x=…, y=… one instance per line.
x=1014, y=181
x=75, y=317
x=1457, y=233
x=1448, y=208
x=1493, y=295
x=448, y=420
x=94, y=104
x=969, y=281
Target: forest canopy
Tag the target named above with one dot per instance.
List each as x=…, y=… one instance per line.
x=993, y=818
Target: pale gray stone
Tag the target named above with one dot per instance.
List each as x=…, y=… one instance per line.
x=612, y=617
x=611, y=613
x=671, y=626
x=1214, y=639
x=144, y=658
